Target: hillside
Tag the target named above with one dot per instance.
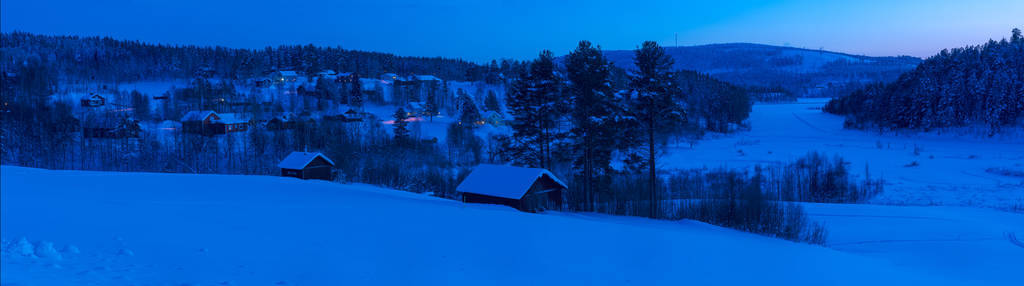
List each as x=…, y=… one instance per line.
x=82, y=227
x=802, y=71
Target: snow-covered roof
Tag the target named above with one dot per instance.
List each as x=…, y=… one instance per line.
x=503, y=181
x=232, y=118
x=197, y=115
x=289, y=73
x=427, y=78
x=299, y=160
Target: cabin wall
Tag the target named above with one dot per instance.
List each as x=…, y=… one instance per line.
x=485, y=199
x=322, y=172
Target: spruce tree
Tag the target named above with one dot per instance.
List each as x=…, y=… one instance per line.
x=401, y=126
x=430, y=107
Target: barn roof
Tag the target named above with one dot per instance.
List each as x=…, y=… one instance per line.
x=232, y=118
x=503, y=181
x=197, y=115
x=299, y=160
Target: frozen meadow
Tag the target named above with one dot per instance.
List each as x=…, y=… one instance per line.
x=919, y=169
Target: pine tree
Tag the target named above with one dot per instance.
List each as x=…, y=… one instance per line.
x=401, y=126
x=652, y=104
x=491, y=102
x=593, y=116
x=534, y=102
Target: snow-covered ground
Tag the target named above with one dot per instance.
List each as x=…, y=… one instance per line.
x=977, y=245
x=103, y=228
x=950, y=170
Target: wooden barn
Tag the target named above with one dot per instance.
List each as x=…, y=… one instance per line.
x=307, y=165
x=526, y=189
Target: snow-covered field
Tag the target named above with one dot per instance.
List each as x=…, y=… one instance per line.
x=950, y=170
x=101, y=228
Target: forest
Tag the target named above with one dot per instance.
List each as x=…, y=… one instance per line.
x=980, y=86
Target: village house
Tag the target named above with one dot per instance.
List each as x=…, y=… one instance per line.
x=345, y=77
x=285, y=76
x=494, y=118
x=415, y=108
x=261, y=82
x=352, y=115
x=307, y=165
x=526, y=189
x=389, y=76
x=93, y=100
x=107, y=125
x=281, y=122
x=211, y=123
x=234, y=122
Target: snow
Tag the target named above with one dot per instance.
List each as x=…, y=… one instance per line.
x=299, y=160
x=951, y=170
x=963, y=243
x=503, y=181
x=179, y=229
x=197, y=115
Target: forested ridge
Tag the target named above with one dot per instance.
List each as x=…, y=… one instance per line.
x=112, y=60
x=975, y=85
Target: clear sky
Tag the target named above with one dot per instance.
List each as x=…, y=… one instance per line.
x=483, y=30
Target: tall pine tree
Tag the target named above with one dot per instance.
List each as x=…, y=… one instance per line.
x=594, y=118
x=651, y=103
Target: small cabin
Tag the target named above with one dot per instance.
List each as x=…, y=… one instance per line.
x=307, y=165
x=93, y=100
x=526, y=189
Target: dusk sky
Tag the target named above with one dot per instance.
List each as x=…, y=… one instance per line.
x=484, y=30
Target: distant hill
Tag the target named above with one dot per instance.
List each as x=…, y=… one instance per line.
x=802, y=71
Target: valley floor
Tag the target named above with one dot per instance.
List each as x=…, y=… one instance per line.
x=104, y=228
x=918, y=169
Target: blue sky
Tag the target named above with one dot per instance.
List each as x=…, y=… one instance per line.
x=483, y=30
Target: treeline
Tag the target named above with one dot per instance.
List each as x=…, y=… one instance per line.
x=758, y=200
x=975, y=85
x=109, y=60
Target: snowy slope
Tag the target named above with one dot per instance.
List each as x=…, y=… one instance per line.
x=176, y=229
x=950, y=170
x=980, y=246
